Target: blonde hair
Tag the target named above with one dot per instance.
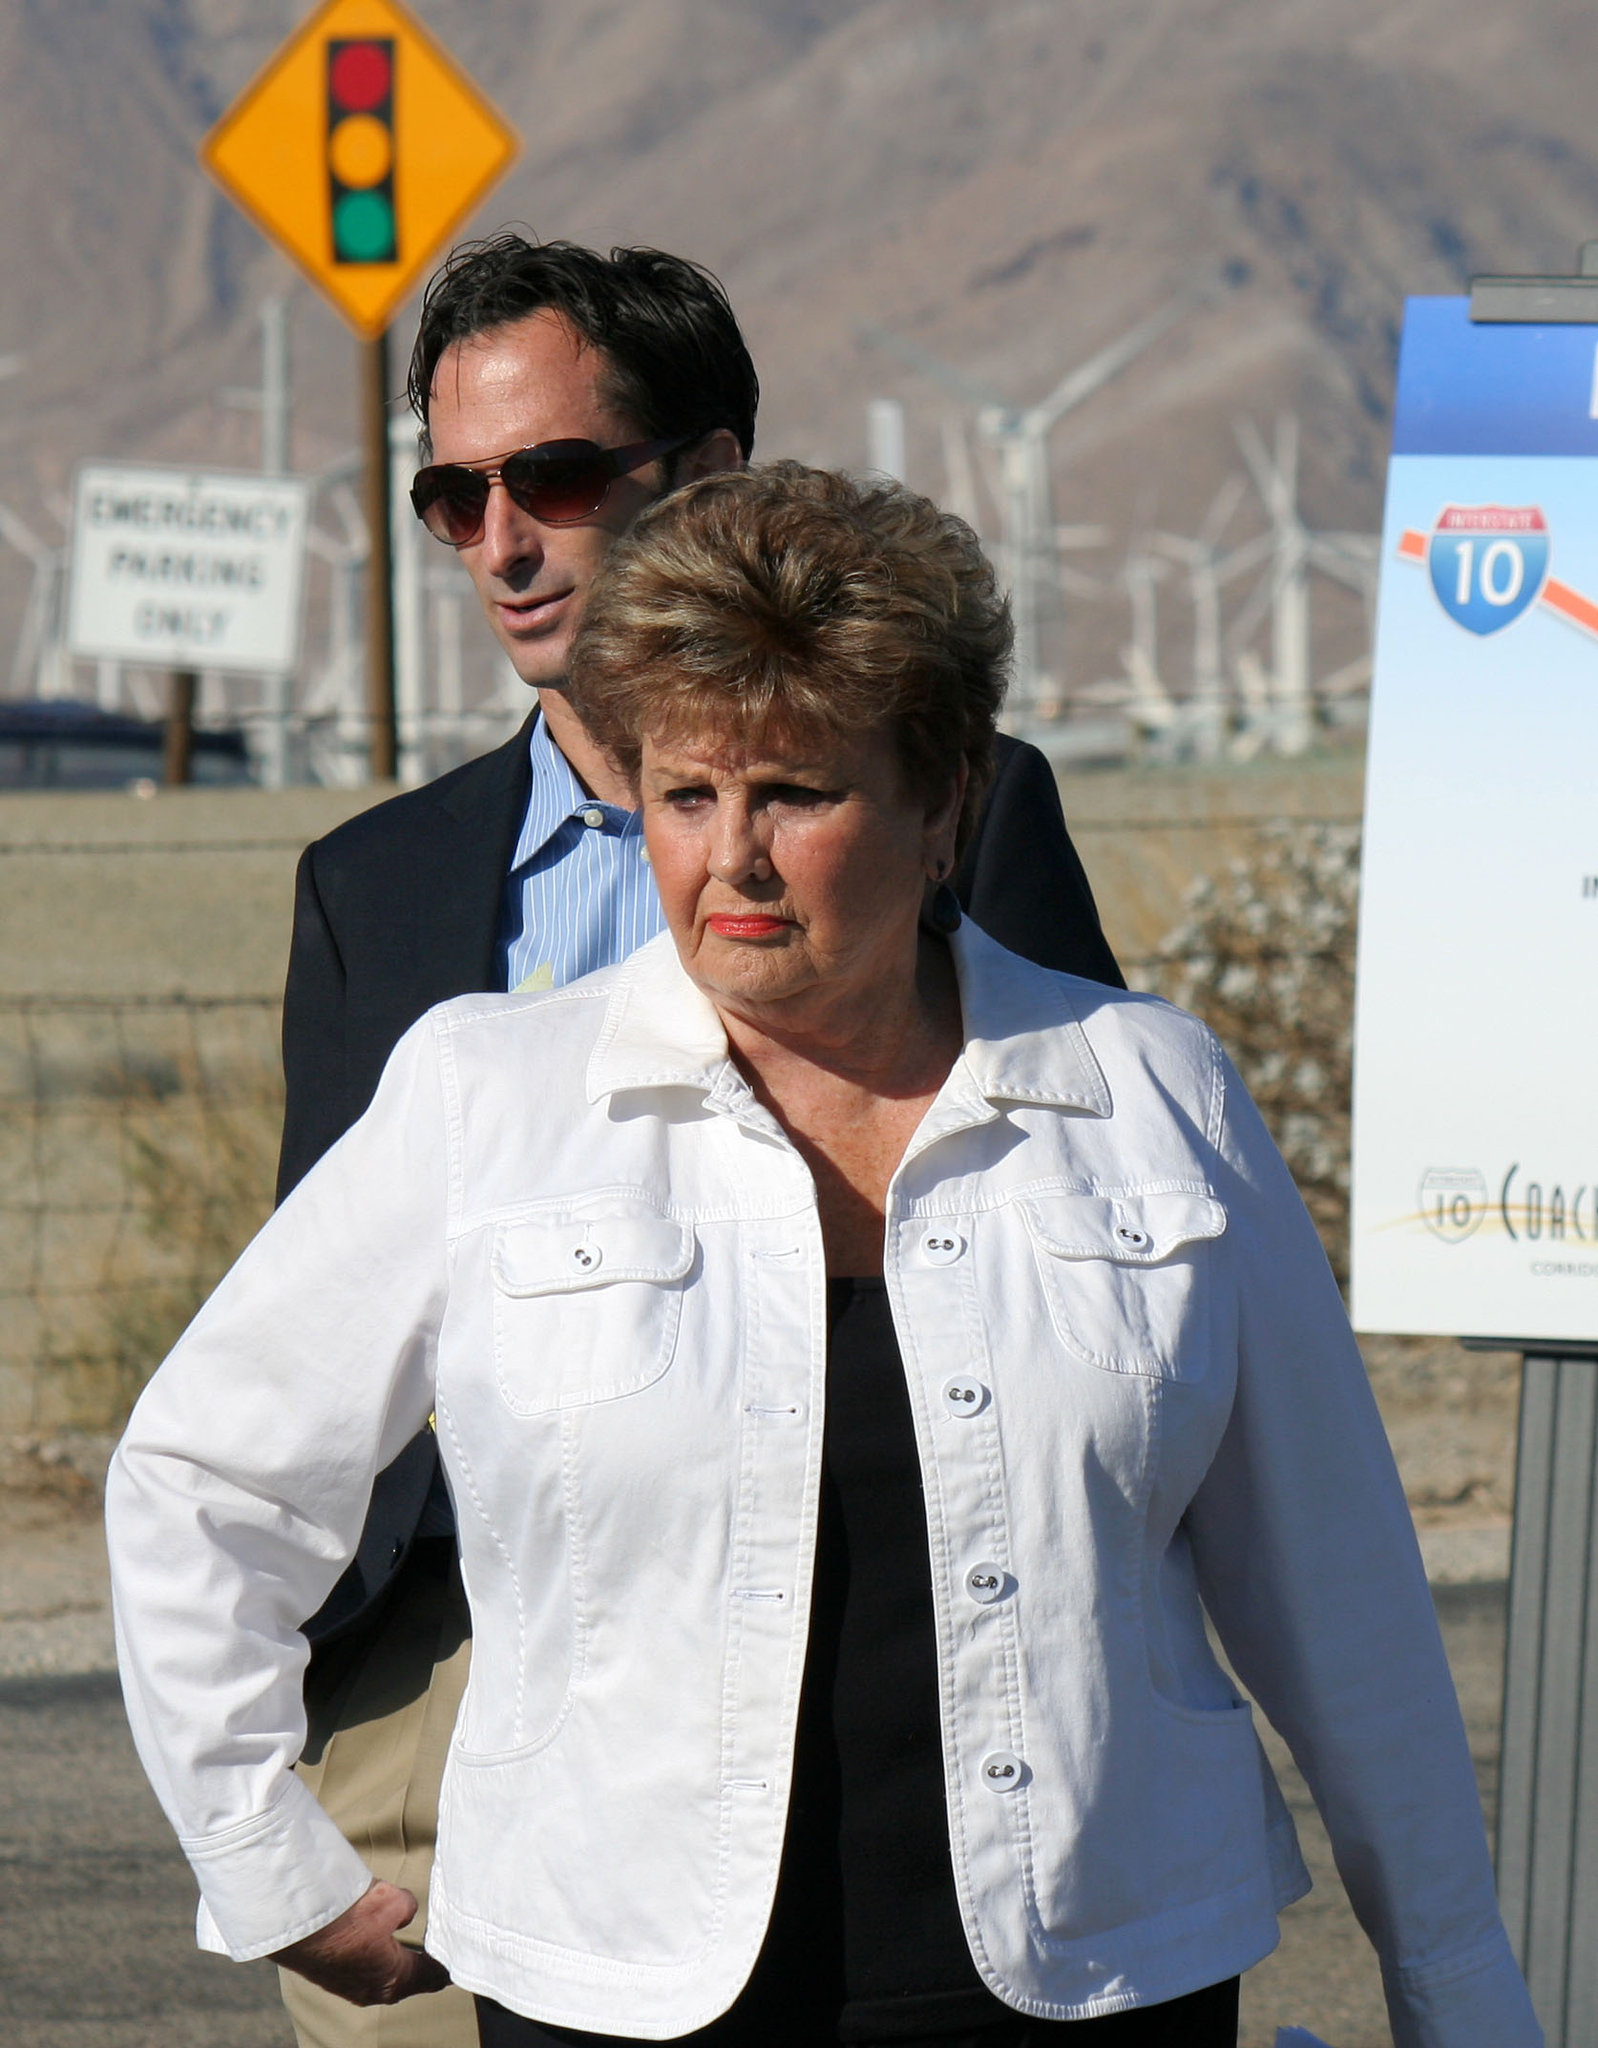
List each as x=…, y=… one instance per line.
x=798, y=602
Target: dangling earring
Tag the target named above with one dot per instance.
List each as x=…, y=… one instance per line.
x=942, y=914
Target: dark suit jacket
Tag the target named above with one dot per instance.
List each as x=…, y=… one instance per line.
x=399, y=909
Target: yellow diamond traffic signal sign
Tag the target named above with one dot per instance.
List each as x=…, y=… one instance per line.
x=359, y=149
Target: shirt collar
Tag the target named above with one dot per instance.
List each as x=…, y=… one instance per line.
x=555, y=795
x=1024, y=1040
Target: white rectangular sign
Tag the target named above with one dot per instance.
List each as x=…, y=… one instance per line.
x=1475, y=1196
x=187, y=568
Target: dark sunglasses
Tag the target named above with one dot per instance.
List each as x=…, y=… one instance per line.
x=558, y=483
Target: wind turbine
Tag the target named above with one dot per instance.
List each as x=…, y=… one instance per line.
x=1019, y=438
x=1205, y=715
x=1275, y=473
x=40, y=648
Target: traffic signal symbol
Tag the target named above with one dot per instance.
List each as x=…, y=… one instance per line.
x=360, y=149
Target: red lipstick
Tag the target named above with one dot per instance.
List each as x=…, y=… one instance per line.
x=727, y=926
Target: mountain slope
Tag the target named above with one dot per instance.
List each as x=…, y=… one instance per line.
x=1009, y=185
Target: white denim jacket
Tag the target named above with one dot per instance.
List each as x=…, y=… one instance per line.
x=567, y=1228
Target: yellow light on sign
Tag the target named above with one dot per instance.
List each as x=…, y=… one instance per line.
x=359, y=150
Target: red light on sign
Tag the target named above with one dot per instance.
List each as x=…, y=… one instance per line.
x=360, y=75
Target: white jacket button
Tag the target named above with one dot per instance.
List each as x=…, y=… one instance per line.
x=1001, y=1772
x=584, y=1258
x=987, y=1583
x=963, y=1396
x=942, y=1247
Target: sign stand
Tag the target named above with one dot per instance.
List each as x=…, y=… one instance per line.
x=177, y=752
x=1547, y=1835
x=1548, y=1773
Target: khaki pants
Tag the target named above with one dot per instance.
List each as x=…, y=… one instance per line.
x=380, y=1720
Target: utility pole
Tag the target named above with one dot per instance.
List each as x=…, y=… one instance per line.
x=960, y=484
x=885, y=438
x=379, y=561
x=276, y=421
x=272, y=398
x=275, y=387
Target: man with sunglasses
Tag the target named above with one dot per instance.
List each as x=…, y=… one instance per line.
x=559, y=391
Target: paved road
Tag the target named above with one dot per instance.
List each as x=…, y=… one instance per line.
x=96, y=1905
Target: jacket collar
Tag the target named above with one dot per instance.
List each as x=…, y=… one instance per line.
x=659, y=1031
x=1024, y=1040
x=446, y=896
x=492, y=783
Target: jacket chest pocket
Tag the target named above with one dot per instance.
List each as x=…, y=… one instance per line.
x=585, y=1309
x=1128, y=1277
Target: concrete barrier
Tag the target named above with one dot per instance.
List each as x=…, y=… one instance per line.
x=187, y=892
x=142, y=950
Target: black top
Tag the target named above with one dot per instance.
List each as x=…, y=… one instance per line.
x=866, y=1921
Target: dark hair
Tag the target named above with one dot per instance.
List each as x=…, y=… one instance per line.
x=674, y=360
x=794, y=601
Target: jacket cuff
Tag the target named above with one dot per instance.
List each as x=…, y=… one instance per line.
x=273, y=1878
x=1477, y=1999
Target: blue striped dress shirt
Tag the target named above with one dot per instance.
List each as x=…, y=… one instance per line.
x=579, y=894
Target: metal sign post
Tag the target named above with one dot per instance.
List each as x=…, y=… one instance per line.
x=359, y=150
x=377, y=495
x=1475, y=1197
x=177, y=750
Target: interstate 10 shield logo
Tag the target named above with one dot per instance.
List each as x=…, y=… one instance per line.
x=1488, y=563
x=1453, y=1201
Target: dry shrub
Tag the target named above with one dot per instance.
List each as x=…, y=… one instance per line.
x=1265, y=955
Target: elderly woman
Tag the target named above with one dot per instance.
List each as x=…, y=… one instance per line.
x=860, y=1359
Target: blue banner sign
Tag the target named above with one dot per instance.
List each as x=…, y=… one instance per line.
x=1475, y=1197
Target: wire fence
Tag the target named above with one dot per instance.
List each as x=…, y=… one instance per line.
x=138, y=1142
x=138, y=1137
